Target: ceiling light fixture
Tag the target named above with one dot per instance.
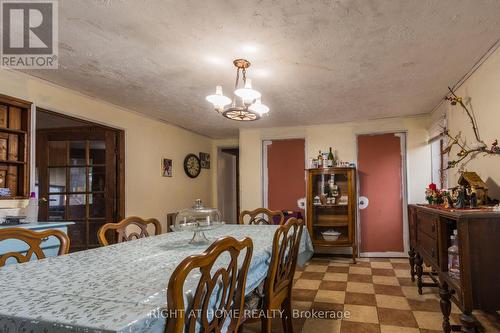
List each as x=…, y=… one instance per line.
x=250, y=108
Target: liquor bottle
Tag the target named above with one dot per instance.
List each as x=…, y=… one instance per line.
x=453, y=258
x=320, y=160
x=331, y=159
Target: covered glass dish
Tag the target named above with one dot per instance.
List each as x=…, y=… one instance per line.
x=198, y=219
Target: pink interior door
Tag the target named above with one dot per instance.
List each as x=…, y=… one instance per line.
x=286, y=176
x=380, y=180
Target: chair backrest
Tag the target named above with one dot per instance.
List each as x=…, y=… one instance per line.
x=124, y=235
x=226, y=285
x=34, y=240
x=261, y=216
x=286, y=245
x=170, y=221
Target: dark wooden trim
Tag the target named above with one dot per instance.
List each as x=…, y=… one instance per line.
x=115, y=195
x=84, y=121
x=120, y=181
x=15, y=101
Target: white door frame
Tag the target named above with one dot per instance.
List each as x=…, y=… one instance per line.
x=402, y=134
x=265, y=176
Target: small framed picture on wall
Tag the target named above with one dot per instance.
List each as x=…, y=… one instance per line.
x=205, y=160
x=166, y=167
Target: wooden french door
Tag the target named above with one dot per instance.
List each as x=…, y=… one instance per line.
x=77, y=172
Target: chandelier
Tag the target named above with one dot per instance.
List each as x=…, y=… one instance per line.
x=250, y=107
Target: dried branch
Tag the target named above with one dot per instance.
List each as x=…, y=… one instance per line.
x=456, y=99
x=465, y=150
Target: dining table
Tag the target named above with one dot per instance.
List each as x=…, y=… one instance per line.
x=118, y=288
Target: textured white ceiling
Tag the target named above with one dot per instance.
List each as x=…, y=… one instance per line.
x=315, y=61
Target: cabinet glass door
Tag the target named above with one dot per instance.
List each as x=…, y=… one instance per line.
x=330, y=208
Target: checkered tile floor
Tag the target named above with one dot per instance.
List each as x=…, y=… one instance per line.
x=378, y=293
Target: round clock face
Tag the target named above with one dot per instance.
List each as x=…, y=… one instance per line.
x=192, y=165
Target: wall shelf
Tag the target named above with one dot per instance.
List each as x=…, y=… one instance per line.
x=15, y=125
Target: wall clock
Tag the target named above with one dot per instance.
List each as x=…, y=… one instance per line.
x=192, y=165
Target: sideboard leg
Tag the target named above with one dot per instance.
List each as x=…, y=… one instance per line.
x=411, y=253
x=445, y=295
x=419, y=261
x=468, y=323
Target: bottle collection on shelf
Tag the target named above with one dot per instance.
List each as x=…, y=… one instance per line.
x=453, y=257
x=328, y=160
x=329, y=193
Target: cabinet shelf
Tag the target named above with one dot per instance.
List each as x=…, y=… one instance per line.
x=341, y=242
x=12, y=131
x=327, y=218
x=12, y=162
x=330, y=206
x=331, y=224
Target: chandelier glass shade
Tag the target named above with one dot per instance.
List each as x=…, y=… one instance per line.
x=219, y=100
x=259, y=107
x=250, y=106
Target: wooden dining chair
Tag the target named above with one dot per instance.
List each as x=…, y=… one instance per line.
x=227, y=284
x=276, y=293
x=124, y=235
x=34, y=240
x=262, y=216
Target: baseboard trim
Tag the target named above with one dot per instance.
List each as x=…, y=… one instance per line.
x=383, y=255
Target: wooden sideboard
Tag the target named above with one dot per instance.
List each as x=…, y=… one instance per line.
x=479, y=250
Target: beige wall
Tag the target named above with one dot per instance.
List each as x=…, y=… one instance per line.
x=342, y=137
x=483, y=89
x=147, y=193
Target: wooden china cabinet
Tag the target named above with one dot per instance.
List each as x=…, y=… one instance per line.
x=331, y=206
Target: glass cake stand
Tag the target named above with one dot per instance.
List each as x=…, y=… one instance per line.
x=198, y=219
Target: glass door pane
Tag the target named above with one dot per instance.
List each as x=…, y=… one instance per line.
x=78, y=179
x=330, y=209
x=77, y=153
x=57, y=153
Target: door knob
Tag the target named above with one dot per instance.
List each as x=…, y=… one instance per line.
x=363, y=202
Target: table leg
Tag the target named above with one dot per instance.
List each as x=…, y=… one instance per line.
x=445, y=303
x=419, y=261
x=412, y=253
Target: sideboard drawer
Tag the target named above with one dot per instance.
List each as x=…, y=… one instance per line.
x=428, y=247
x=428, y=223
